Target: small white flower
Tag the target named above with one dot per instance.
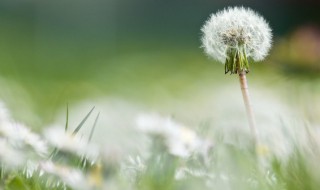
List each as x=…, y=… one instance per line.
x=9, y=156
x=236, y=30
x=180, y=140
x=66, y=141
x=72, y=177
x=18, y=135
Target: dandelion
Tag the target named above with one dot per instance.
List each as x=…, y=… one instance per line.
x=233, y=37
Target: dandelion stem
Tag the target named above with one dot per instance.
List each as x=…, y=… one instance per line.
x=247, y=102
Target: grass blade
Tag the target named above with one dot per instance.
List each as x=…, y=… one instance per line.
x=67, y=118
x=82, y=122
x=93, y=127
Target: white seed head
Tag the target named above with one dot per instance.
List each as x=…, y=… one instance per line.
x=235, y=27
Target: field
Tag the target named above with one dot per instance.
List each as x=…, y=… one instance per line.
x=83, y=109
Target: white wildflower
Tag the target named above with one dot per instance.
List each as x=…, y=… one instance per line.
x=66, y=141
x=18, y=135
x=235, y=34
x=72, y=177
x=180, y=140
x=10, y=156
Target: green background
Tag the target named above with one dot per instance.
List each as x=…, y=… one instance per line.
x=143, y=51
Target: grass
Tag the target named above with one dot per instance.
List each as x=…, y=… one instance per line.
x=211, y=162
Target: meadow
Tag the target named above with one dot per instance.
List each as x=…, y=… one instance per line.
x=153, y=112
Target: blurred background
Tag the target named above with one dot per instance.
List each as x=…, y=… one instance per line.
x=145, y=55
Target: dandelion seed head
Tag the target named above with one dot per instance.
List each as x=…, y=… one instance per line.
x=234, y=27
